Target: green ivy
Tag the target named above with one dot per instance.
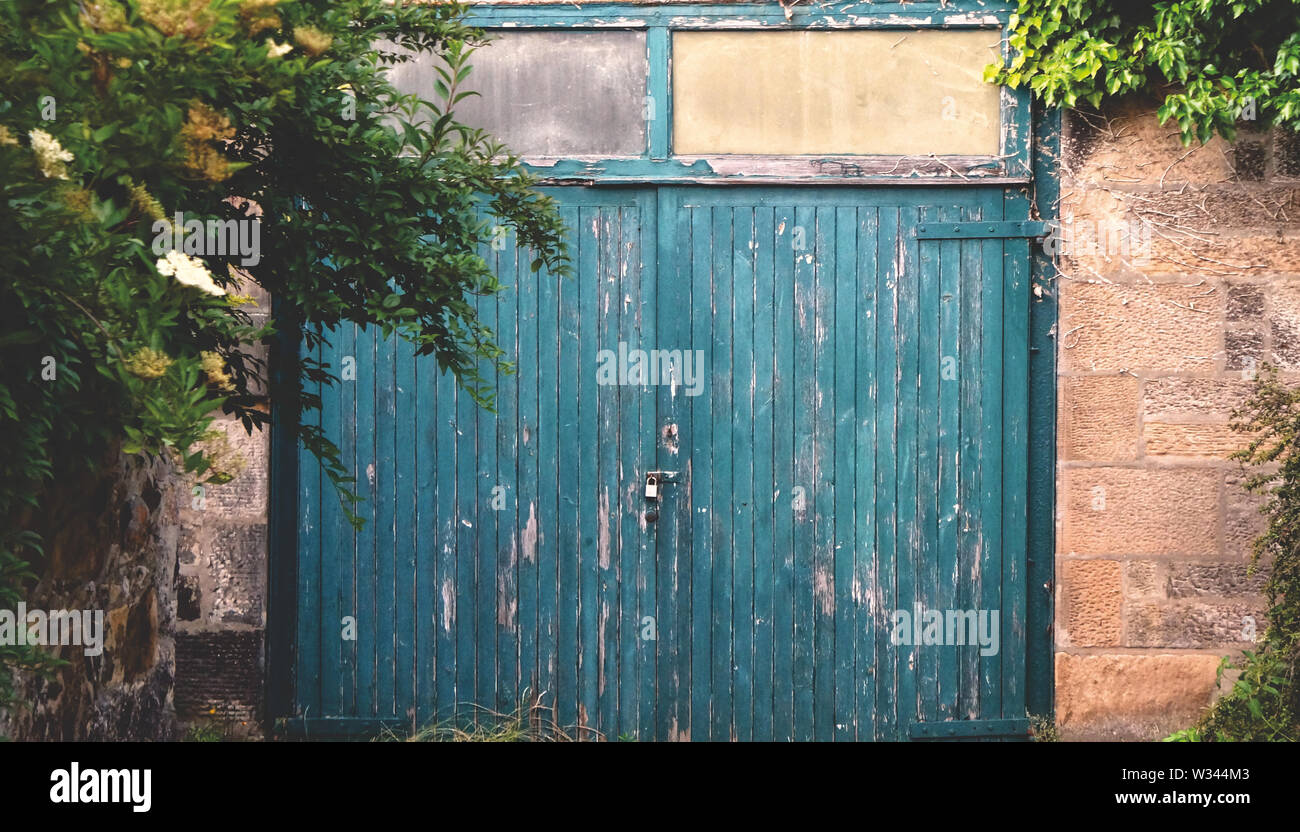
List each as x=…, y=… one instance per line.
x=374, y=208
x=1213, y=63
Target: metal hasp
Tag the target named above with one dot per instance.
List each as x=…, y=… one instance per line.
x=970, y=729
x=982, y=230
x=654, y=480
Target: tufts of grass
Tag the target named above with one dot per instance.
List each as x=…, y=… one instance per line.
x=530, y=722
x=1042, y=727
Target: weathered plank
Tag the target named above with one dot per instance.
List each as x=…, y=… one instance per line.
x=702, y=473
x=425, y=499
x=719, y=374
x=927, y=463
x=991, y=439
x=866, y=389
x=805, y=430
x=765, y=501
x=405, y=524
x=889, y=243
x=744, y=383
x=506, y=500
x=952, y=366
x=844, y=480
x=783, y=454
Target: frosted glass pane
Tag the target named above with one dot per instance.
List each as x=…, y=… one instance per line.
x=552, y=93
x=841, y=93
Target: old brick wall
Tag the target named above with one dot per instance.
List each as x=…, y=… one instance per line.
x=1182, y=278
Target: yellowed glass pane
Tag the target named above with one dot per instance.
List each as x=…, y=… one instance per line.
x=841, y=93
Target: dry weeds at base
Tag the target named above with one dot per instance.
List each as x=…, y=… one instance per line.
x=528, y=723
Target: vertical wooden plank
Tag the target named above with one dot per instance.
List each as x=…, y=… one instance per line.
x=823, y=491
x=385, y=521
x=952, y=365
x=702, y=473
x=447, y=542
x=845, y=473
x=764, y=499
x=889, y=263
x=425, y=419
x=310, y=569
x=645, y=454
x=606, y=398
x=744, y=382
x=331, y=576
x=529, y=364
x=671, y=533
x=549, y=431
x=467, y=537
x=783, y=475
x=930, y=362
x=346, y=553
x=485, y=526
x=568, y=477
x=719, y=373
x=991, y=389
x=969, y=523
x=1040, y=507
x=1015, y=462
x=405, y=523
x=507, y=478
x=658, y=107
x=589, y=440
x=907, y=551
x=368, y=537
x=865, y=586
x=804, y=489
x=628, y=498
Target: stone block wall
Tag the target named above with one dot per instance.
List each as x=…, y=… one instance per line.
x=1182, y=278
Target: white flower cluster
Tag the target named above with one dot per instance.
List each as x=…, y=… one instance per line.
x=275, y=50
x=189, y=271
x=50, y=155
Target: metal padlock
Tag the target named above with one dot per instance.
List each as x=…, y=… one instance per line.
x=651, y=487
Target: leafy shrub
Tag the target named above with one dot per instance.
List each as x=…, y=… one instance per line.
x=1263, y=703
x=368, y=206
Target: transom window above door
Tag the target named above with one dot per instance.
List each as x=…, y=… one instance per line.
x=845, y=93
x=741, y=92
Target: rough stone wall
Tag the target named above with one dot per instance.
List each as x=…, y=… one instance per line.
x=110, y=545
x=1183, y=277
x=179, y=571
x=221, y=586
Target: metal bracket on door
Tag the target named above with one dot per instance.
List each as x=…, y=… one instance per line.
x=959, y=729
x=982, y=230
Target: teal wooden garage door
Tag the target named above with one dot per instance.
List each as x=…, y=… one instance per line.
x=838, y=402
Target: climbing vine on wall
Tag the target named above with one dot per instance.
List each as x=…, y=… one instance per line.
x=1213, y=63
